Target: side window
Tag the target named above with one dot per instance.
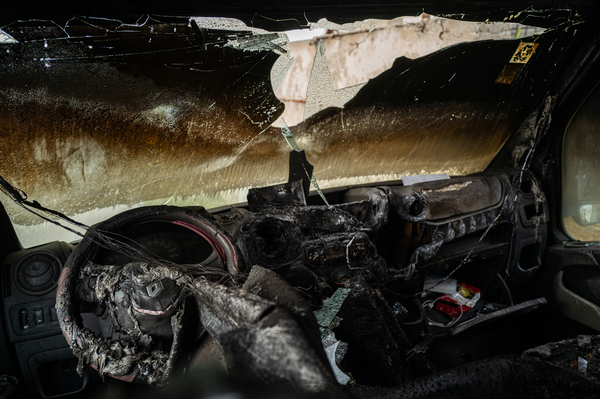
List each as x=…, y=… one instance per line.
x=581, y=171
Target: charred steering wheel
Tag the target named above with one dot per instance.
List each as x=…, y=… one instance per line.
x=139, y=297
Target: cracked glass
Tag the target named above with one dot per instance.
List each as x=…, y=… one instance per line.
x=99, y=116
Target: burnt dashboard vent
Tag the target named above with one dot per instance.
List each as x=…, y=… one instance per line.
x=38, y=273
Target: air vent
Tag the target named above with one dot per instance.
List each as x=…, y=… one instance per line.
x=5, y=281
x=37, y=273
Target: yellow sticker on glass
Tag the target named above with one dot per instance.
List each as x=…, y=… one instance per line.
x=520, y=57
x=523, y=53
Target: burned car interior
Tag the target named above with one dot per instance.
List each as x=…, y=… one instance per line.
x=429, y=230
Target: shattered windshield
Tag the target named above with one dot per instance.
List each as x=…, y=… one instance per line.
x=99, y=116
